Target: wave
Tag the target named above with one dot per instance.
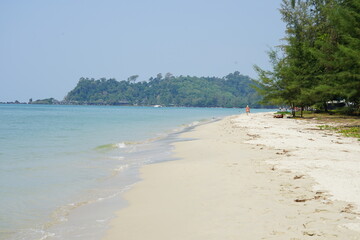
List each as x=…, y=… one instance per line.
x=111, y=146
x=120, y=145
x=106, y=147
x=121, y=168
x=117, y=157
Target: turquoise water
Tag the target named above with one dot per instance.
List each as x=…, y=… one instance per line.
x=63, y=168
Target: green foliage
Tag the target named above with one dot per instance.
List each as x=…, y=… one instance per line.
x=351, y=132
x=283, y=112
x=44, y=101
x=327, y=127
x=320, y=60
x=233, y=90
x=347, y=131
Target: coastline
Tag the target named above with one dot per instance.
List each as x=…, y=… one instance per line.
x=99, y=151
x=237, y=178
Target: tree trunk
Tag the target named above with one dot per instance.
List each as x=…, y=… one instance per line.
x=293, y=109
x=325, y=107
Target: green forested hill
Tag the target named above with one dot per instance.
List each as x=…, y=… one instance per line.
x=234, y=90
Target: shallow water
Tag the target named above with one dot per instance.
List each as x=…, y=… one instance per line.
x=63, y=168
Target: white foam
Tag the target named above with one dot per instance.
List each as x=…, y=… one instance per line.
x=102, y=220
x=109, y=197
x=117, y=157
x=121, y=145
x=194, y=123
x=44, y=234
x=121, y=168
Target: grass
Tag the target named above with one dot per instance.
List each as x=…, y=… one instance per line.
x=285, y=113
x=327, y=127
x=335, y=120
x=351, y=132
x=347, y=131
x=348, y=126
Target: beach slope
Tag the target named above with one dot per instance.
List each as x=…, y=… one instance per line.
x=229, y=184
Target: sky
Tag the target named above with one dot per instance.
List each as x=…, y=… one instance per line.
x=47, y=45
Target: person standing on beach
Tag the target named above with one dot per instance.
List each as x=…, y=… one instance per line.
x=247, y=109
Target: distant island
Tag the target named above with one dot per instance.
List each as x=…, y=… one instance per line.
x=233, y=90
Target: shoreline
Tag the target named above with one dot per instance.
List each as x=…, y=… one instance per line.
x=98, y=159
x=231, y=183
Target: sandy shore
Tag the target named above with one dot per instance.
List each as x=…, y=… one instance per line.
x=248, y=177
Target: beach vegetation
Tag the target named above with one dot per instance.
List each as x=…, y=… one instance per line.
x=283, y=112
x=318, y=63
x=351, y=132
x=347, y=131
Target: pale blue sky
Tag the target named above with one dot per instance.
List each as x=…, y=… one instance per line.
x=47, y=45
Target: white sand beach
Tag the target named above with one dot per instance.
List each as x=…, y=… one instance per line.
x=248, y=177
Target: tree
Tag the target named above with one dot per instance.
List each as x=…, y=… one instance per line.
x=159, y=76
x=320, y=60
x=348, y=54
x=168, y=75
x=133, y=78
x=233, y=90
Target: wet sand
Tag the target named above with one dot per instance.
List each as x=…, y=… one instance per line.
x=248, y=177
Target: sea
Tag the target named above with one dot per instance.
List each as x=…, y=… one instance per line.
x=63, y=169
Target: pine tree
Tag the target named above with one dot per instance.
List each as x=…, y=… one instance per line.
x=348, y=55
x=320, y=60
